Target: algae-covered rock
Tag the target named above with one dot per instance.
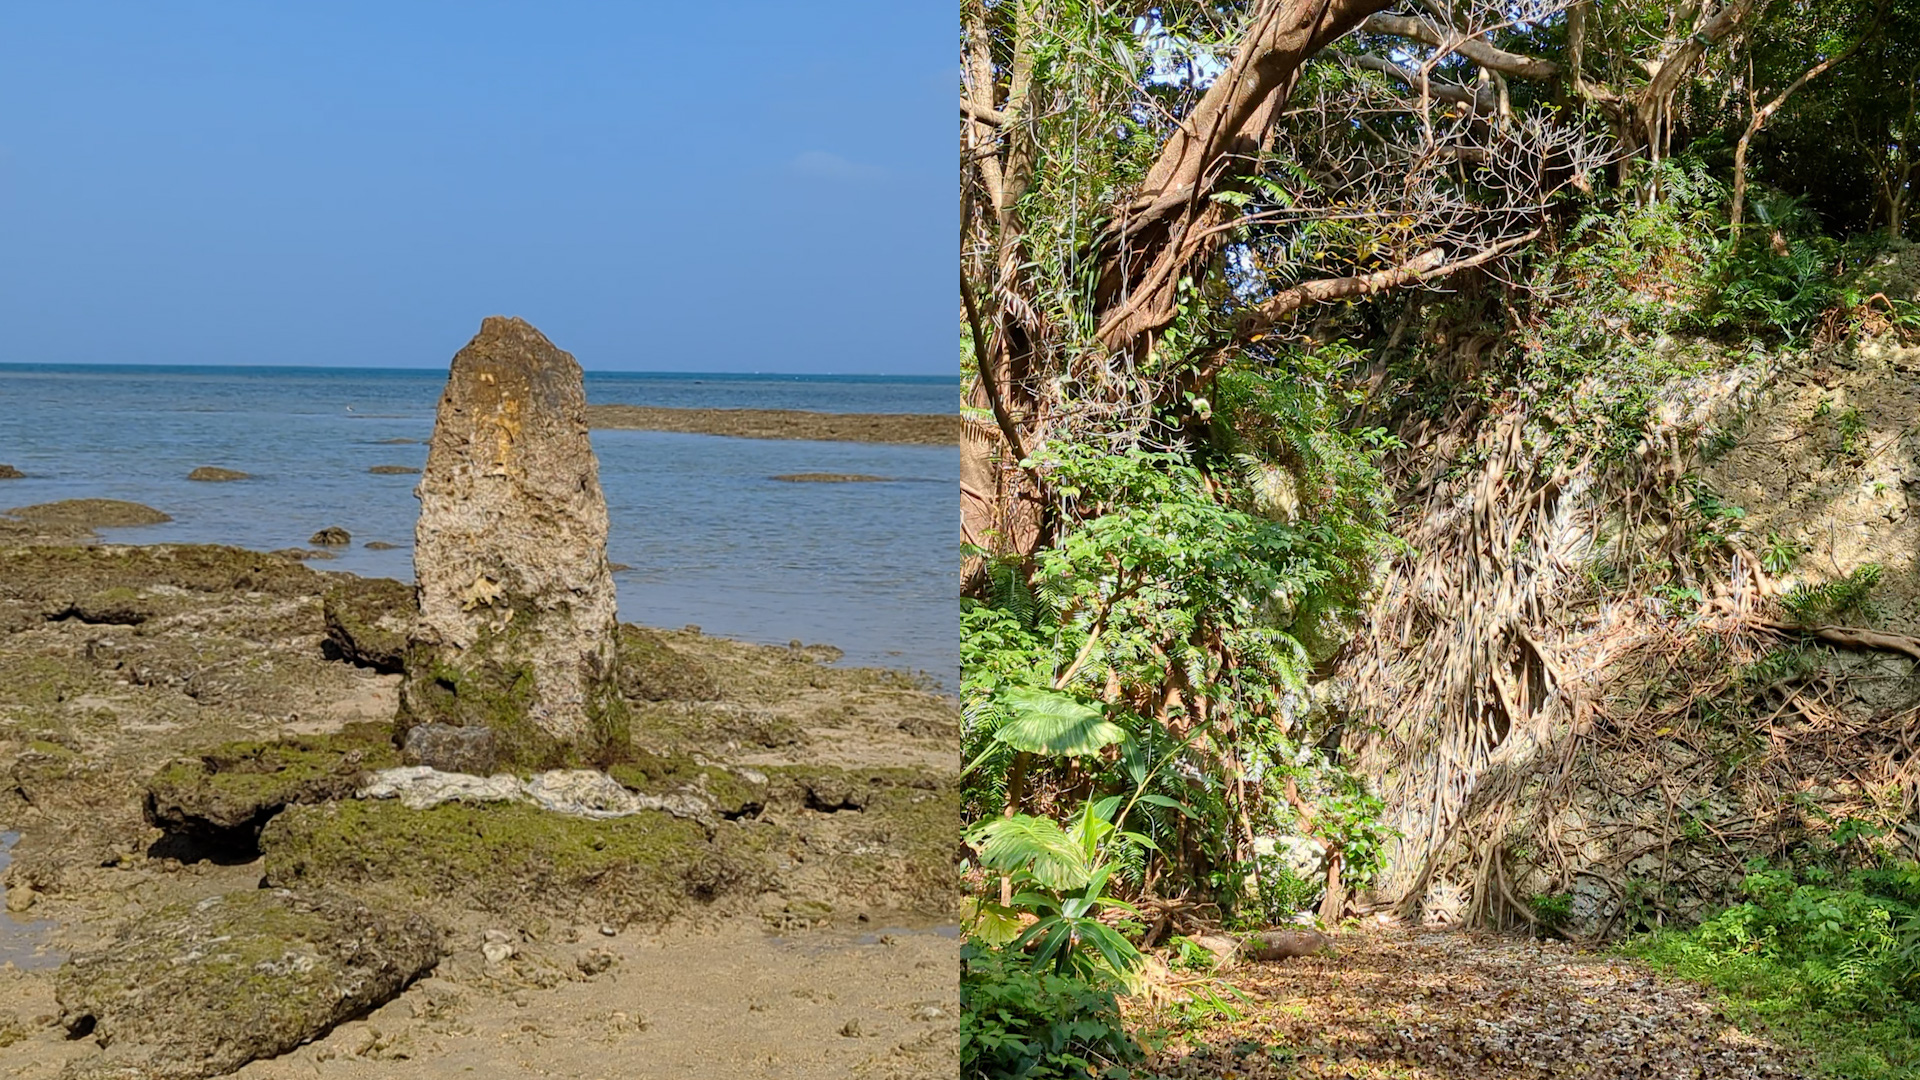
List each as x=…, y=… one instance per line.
x=56, y=575
x=8, y=472
x=652, y=670
x=331, y=536
x=731, y=792
x=199, y=990
x=92, y=513
x=888, y=834
x=368, y=620
x=213, y=474
x=394, y=470
x=226, y=795
x=511, y=858
x=121, y=605
x=830, y=478
x=517, y=612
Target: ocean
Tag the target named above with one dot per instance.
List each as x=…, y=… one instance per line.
x=712, y=539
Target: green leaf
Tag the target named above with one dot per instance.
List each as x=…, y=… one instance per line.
x=1035, y=846
x=1048, y=722
x=992, y=923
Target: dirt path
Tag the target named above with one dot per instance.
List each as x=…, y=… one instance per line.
x=1413, y=1004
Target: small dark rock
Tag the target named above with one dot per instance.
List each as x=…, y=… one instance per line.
x=380, y=545
x=394, y=470
x=331, y=536
x=214, y=474
x=452, y=749
x=8, y=472
x=396, y=442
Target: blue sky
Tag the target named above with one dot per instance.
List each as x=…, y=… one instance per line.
x=719, y=187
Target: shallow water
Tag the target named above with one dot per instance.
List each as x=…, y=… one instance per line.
x=712, y=539
x=23, y=941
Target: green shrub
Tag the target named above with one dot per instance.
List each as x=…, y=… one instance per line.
x=1016, y=1022
x=1832, y=962
x=1850, y=594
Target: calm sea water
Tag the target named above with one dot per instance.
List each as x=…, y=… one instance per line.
x=712, y=539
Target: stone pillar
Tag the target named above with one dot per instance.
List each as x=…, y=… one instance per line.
x=516, y=643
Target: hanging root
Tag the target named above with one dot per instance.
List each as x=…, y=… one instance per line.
x=1582, y=710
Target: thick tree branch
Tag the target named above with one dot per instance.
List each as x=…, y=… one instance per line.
x=1425, y=266
x=1419, y=83
x=1427, y=32
x=981, y=113
x=1146, y=249
x=1667, y=75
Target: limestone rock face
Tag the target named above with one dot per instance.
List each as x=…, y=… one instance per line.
x=517, y=627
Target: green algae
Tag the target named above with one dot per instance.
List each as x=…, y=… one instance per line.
x=491, y=687
x=360, y=616
x=239, y=785
x=513, y=859
x=648, y=773
x=200, y=989
x=652, y=670
x=35, y=572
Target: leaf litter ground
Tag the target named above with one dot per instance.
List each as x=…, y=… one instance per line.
x=1411, y=1004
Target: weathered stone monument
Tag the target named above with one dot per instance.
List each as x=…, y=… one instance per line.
x=513, y=660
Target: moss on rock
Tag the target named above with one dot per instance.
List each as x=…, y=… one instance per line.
x=368, y=620
x=652, y=670
x=732, y=793
x=512, y=859
x=53, y=576
x=894, y=831
x=198, y=990
x=121, y=605
x=492, y=684
x=227, y=794
x=92, y=513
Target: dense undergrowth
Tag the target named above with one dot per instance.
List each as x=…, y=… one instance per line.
x=1822, y=955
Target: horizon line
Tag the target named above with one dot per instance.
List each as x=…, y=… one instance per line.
x=138, y=365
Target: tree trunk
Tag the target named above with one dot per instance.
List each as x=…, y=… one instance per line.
x=1167, y=231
